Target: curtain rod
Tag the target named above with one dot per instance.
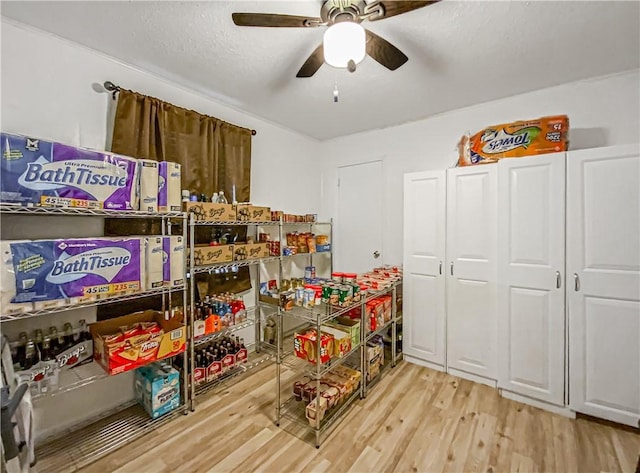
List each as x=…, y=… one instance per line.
x=114, y=89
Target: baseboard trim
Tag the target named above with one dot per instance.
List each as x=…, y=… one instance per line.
x=473, y=377
x=419, y=362
x=563, y=411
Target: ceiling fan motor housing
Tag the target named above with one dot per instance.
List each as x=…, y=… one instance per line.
x=335, y=11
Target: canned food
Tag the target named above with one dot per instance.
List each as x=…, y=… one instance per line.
x=318, y=295
x=326, y=293
x=310, y=272
x=349, y=277
x=299, y=298
x=309, y=298
x=346, y=295
x=336, y=277
x=334, y=295
x=356, y=292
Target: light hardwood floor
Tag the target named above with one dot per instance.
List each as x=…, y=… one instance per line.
x=415, y=420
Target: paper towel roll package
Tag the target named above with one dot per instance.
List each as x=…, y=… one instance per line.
x=48, y=270
x=148, y=177
x=8, y=282
x=173, y=261
x=169, y=186
x=154, y=263
x=40, y=172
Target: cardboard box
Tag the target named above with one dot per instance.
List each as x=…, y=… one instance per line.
x=341, y=341
x=252, y=213
x=350, y=326
x=205, y=254
x=305, y=346
x=169, y=342
x=211, y=212
x=514, y=140
x=158, y=389
x=250, y=251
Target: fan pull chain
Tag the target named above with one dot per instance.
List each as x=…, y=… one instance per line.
x=336, y=92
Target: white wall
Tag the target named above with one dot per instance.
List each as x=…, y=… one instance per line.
x=602, y=111
x=47, y=92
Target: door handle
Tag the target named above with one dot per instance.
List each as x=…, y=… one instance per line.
x=558, y=280
x=376, y=254
x=440, y=268
x=452, y=268
x=576, y=282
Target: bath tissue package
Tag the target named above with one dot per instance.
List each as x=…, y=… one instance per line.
x=40, y=172
x=8, y=282
x=154, y=263
x=173, y=261
x=47, y=270
x=148, y=192
x=169, y=187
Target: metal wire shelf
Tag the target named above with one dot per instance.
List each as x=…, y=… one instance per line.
x=291, y=361
x=380, y=331
x=232, y=264
x=107, y=300
x=306, y=223
x=18, y=209
x=77, y=447
x=295, y=411
x=307, y=254
x=75, y=378
x=231, y=223
x=234, y=328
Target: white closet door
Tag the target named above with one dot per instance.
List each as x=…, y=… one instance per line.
x=472, y=331
x=531, y=310
x=603, y=291
x=424, y=252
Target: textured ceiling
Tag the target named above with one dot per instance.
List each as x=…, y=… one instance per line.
x=460, y=53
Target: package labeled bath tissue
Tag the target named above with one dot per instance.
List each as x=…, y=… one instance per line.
x=169, y=186
x=39, y=172
x=173, y=261
x=8, y=282
x=62, y=269
x=148, y=189
x=154, y=263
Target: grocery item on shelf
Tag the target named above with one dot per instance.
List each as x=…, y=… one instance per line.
x=148, y=188
x=305, y=346
x=252, y=213
x=247, y=251
x=206, y=254
x=514, y=140
x=276, y=215
x=153, y=262
x=157, y=388
x=40, y=172
x=217, y=358
x=302, y=243
x=173, y=263
x=348, y=325
x=218, y=312
x=125, y=343
x=60, y=269
x=38, y=358
x=374, y=357
x=169, y=186
x=211, y=212
x=341, y=341
x=8, y=282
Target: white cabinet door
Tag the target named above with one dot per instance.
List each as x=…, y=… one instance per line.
x=472, y=330
x=424, y=252
x=603, y=290
x=531, y=309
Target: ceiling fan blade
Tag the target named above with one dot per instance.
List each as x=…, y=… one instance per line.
x=384, y=52
x=274, y=20
x=393, y=8
x=313, y=63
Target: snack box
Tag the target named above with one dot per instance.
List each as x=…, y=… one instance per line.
x=205, y=254
x=117, y=354
x=514, y=140
x=211, y=212
x=348, y=325
x=158, y=389
x=36, y=172
x=305, y=346
x=341, y=341
x=250, y=251
x=252, y=213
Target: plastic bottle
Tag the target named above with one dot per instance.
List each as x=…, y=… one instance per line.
x=214, y=198
x=222, y=199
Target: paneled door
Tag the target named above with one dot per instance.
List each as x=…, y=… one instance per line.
x=531, y=258
x=424, y=252
x=603, y=290
x=472, y=331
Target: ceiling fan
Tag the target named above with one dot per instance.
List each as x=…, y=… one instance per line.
x=333, y=12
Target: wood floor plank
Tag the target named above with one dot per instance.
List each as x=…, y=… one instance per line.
x=414, y=420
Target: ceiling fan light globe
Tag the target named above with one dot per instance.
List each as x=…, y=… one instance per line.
x=343, y=42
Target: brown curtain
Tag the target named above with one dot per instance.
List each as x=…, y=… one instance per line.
x=214, y=155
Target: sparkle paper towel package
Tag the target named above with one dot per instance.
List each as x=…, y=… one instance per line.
x=8, y=282
x=173, y=255
x=154, y=263
x=47, y=270
x=169, y=187
x=148, y=178
x=39, y=172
